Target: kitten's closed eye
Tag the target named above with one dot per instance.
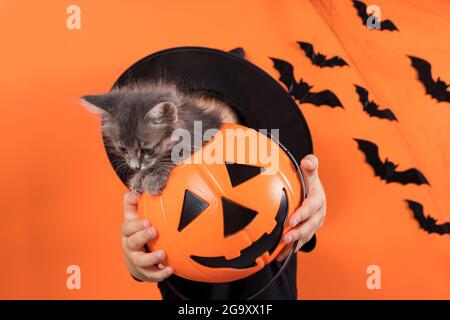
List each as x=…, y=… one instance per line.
x=148, y=151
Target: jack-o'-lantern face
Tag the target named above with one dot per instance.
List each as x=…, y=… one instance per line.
x=223, y=221
x=235, y=218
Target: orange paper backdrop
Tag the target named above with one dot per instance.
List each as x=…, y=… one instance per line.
x=62, y=201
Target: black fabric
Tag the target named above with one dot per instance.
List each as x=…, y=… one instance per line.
x=284, y=288
x=310, y=245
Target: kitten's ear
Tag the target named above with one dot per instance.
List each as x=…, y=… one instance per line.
x=98, y=104
x=163, y=113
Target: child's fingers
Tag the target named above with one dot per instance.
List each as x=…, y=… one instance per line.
x=305, y=231
x=312, y=204
x=140, y=238
x=145, y=260
x=154, y=274
x=309, y=166
x=133, y=226
x=130, y=201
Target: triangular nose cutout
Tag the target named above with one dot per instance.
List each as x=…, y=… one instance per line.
x=239, y=173
x=192, y=207
x=235, y=217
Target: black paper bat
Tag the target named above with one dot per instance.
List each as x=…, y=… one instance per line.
x=361, y=7
x=427, y=223
x=436, y=89
x=387, y=170
x=319, y=59
x=371, y=108
x=238, y=52
x=302, y=91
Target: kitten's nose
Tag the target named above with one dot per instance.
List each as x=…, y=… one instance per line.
x=134, y=164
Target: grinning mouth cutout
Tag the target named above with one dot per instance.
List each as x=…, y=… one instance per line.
x=247, y=259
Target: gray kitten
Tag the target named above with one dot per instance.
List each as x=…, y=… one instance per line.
x=138, y=121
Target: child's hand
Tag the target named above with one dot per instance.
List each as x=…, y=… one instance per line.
x=135, y=234
x=311, y=214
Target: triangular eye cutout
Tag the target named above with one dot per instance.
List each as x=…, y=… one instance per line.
x=235, y=217
x=192, y=207
x=240, y=173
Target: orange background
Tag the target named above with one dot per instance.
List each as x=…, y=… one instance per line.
x=62, y=201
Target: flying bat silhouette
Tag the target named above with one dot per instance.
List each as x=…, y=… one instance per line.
x=427, y=223
x=371, y=108
x=302, y=91
x=319, y=59
x=387, y=170
x=238, y=52
x=436, y=89
x=361, y=7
